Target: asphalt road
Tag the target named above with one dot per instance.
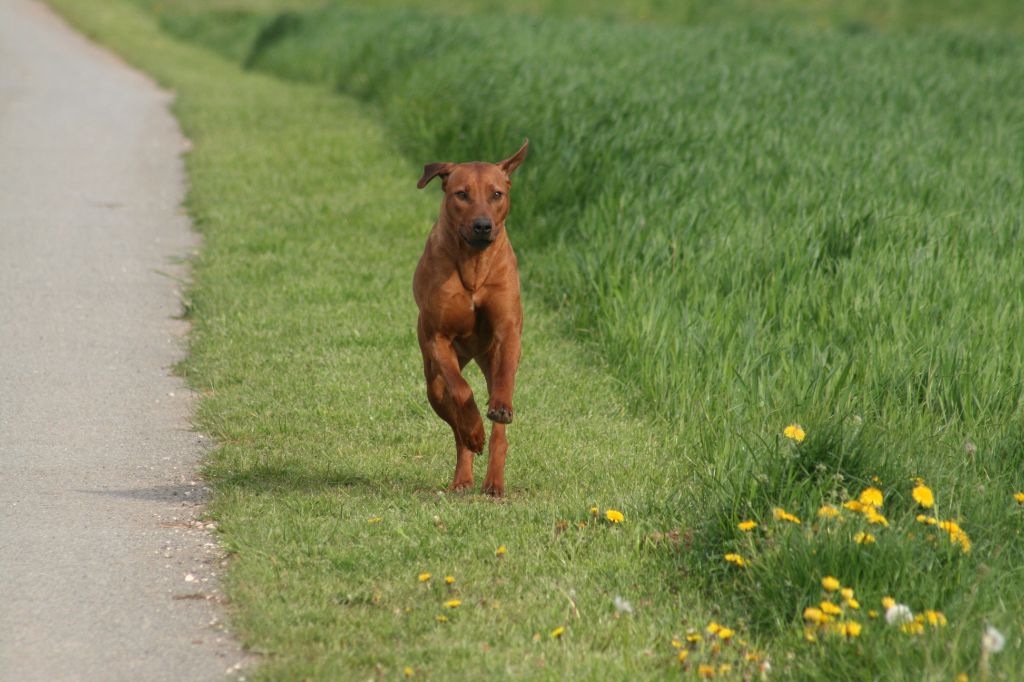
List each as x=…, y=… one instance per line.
x=105, y=574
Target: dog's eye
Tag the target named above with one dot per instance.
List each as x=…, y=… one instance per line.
x=462, y=195
x=496, y=196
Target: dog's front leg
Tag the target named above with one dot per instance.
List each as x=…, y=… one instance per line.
x=467, y=417
x=502, y=365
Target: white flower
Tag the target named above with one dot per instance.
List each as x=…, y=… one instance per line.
x=623, y=606
x=897, y=614
x=992, y=641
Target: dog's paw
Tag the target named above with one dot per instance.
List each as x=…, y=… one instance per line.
x=493, y=488
x=460, y=484
x=499, y=412
x=474, y=440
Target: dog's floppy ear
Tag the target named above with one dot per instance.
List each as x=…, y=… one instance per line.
x=431, y=171
x=512, y=162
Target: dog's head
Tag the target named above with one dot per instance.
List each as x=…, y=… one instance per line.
x=475, y=196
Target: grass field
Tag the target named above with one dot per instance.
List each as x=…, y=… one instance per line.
x=725, y=226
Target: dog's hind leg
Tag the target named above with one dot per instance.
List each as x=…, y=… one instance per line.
x=494, y=482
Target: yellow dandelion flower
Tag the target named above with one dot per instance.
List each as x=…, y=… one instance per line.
x=558, y=632
x=854, y=505
x=594, y=510
x=747, y=526
x=846, y=593
x=853, y=603
x=449, y=580
x=923, y=495
x=888, y=603
x=706, y=671
x=736, y=559
x=849, y=628
x=795, y=433
x=453, y=603
x=935, y=618
x=814, y=615
x=913, y=628
x=876, y=518
x=713, y=628
x=682, y=656
x=830, y=584
x=724, y=668
x=827, y=511
x=876, y=479
x=424, y=577
x=830, y=609
x=956, y=535
x=677, y=643
x=500, y=552
x=407, y=671
x=614, y=516
x=441, y=618
x=863, y=538
x=871, y=497
x=872, y=613
x=810, y=635
x=693, y=637
x=1019, y=497
x=963, y=677
x=781, y=514
x=726, y=633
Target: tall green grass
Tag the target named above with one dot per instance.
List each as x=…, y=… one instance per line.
x=755, y=224
x=849, y=15
x=751, y=222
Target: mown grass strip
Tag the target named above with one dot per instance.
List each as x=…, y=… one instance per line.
x=329, y=469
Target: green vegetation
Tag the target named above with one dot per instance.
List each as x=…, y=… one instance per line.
x=752, y=222
x=848, y=15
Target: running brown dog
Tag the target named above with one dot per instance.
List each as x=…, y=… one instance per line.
x=467, y=289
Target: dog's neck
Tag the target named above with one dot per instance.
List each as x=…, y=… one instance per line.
x=473, y=265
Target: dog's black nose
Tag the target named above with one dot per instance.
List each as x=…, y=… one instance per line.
x=482, y=226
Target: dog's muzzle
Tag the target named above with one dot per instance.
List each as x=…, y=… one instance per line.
x=483, y=234
x=478, y=243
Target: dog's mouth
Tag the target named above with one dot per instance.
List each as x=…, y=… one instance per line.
x=479, y=243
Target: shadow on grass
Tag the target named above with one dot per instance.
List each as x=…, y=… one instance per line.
x=275, y=478
x=257, y=479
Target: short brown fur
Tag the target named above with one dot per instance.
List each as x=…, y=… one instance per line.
x=467, y=289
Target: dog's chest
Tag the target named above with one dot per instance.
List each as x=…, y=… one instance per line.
x=465, y=316
x=460, y=314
